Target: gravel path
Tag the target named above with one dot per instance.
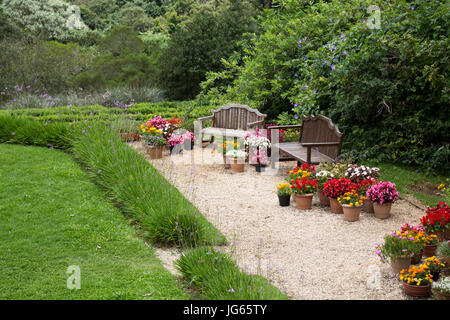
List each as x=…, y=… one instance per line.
x=312, y=254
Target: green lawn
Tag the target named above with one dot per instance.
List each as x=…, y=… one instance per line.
x=51, y=217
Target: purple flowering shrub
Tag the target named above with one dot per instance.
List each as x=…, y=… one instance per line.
x=383, y=192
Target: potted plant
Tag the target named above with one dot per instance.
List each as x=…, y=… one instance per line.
x=153, y=140
x=435, y=266
x=305, y=170
x=237, y=160
x=188, y=140
x=383, y=195
x=351, y=203
x=442, y=288
x=398, y=247
x=418, y=235
x=334, y=188
x=363, y=186
x=223, y=148
x=357, y=173
x=303, y=190
x=417, y=280
x=173, y=140
x=258, y=145
x=284, y=194
x=444, y=251
x=437, y=220
x=322, y=177
x=430, y=245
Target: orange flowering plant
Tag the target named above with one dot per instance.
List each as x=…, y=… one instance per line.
x=352, y=198
x=304, y=171
x=434, y=264
x=417, y=275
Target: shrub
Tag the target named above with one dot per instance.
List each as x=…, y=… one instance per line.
x=383, y=192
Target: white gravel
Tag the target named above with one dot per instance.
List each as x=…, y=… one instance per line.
x=312, y=254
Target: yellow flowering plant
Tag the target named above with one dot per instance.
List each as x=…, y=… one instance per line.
x=283, y=189
x=352, y=198
x=417, y=275
x=434, y=264
x=152, y=135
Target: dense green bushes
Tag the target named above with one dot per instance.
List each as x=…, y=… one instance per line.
x=386, y=88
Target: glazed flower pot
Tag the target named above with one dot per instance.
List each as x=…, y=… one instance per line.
x=335, y=207
x=415, y=259
x=154, y=152
x=260, y=167
x=429, y=250
x=226, y=163
x=236, y=166
x=368, y=206
x=351, y=213
x=303, y=201
x=417, y=291
x=285, y=201
x=400, y=263
x=324, y=201
x=382, y=211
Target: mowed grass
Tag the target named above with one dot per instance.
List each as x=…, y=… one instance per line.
x=52, y=217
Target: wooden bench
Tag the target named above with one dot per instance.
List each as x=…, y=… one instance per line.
x=320, y=141
x=232, y=120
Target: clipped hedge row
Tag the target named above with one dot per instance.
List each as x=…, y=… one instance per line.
x=139, y=112
x=217, y=277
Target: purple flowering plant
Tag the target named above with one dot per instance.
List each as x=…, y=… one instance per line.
x=383, y=192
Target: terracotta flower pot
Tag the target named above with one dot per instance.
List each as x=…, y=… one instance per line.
x=154, y=152
x=417, y=291
x=429, y=250
x=324, y=201
x=130, y=136
x=285, y=200
x=440, y=235
x=382, y=211
x=415, y=259
x=351, y=214
x=447, y=260
x=442, y=295
x=447, y=234
x=237, y=166
x=303, y=201
x=368, y=206
x=335, y=207
x=400, y=263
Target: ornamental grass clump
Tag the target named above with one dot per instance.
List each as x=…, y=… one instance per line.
x=216, y=276
x=383, y=192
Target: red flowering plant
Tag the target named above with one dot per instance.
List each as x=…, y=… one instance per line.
x=437, y=218
x=334, y=188
x=304, y=185
x=305, y=170
x=365, y=184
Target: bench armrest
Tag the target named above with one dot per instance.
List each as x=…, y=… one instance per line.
x=292, y=126
x=320, y=144
x=205, y=118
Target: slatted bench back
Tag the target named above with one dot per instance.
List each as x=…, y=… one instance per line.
x=235, y=116
x=321, y=129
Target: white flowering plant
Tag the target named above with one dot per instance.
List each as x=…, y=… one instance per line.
x=236, y=154
x=357, y=173
x=322, y=177
x=442, y=285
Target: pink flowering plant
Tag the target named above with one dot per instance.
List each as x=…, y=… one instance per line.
x=397, y=245
x=383, y=192
x=174, y=139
